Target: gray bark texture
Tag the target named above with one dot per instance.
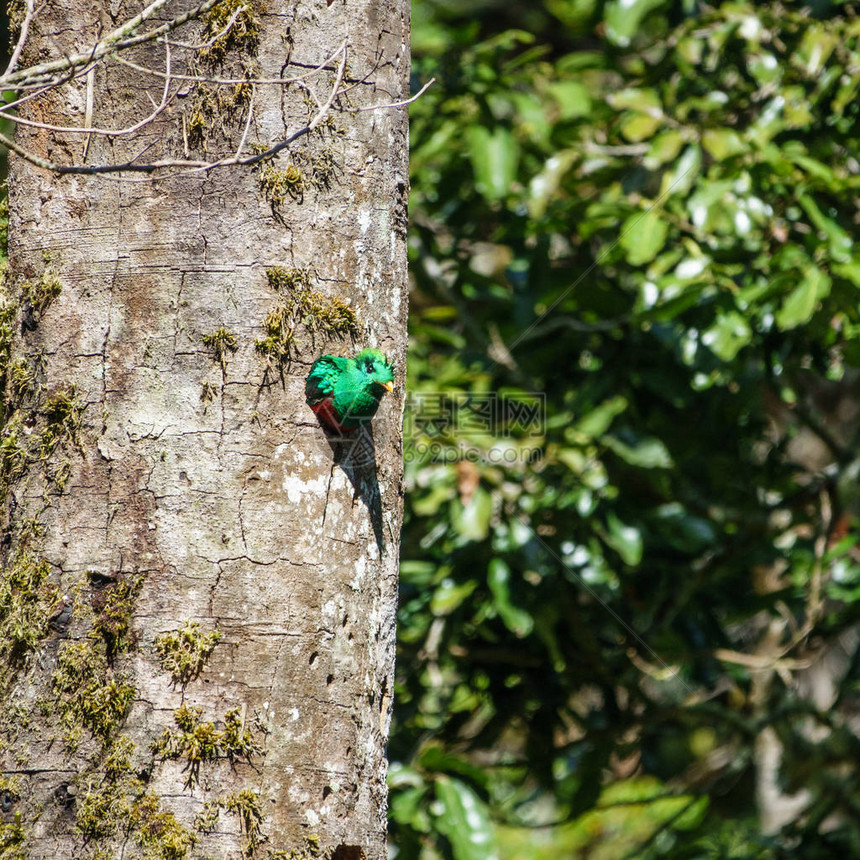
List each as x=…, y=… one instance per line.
x=198, y=595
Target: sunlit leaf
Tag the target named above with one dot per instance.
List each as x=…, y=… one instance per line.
x=494, y=157
x=517, y=620
x=626, y=540
x=803, y=299
x=642, y=236
x=572, y=97
x=465, y=821
x=623, y=18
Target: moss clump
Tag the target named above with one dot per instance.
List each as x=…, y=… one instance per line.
x=184, y=652
x=279, y=186
x=284, y=281
x=14, y=457
x=4, y=198
x=319, y=166
x=301, y=305
x=41, y=294
x=157, y=831
x=62, y=411
x=90, y=693
x=242, y=35
x=245, y=804
x=26, y=599
x=118, y=800
x=20, y=380
x=196, y=741
x=214, y=107
x=232, y=30
x=221, y=342
x=61, y=416
x=311, y=850
x=12, y=836
x=277, y=345
x=7, y=329
x=207, y=393
x=113, y=607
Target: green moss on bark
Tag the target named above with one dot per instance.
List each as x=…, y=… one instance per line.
x=184, y=652
x=301, y=305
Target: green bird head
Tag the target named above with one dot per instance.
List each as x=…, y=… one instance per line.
x=345, y=392
x=376, y=367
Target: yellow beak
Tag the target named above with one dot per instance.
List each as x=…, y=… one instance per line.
x=388, y=386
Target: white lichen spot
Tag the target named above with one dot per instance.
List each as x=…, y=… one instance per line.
x=296, y=488
x=365, y=218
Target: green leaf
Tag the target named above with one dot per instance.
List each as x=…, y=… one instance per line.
x=664, y=147
x=465, y=821
x=517, y=620
x=644, y=100
x=438, y=760
x=623, y=18
x=572, y=13
x=544, y=185
x=494, y=155
x=646, y=453
x=815, y=49
x=801, y=303
x=680, y=179
x=572, y=97
x=472, y=521
x=642, y=236
x=449, y=595
x=850, y=271
x=639, y=126
x=625, y=540
x=840, y=241
x=598, y=421
x=722, y=143
x=727, y=336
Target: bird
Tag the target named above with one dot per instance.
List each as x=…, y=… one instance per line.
x=344, y=393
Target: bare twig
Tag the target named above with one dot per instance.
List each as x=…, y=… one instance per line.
x=223, y=32
x=397, y=104
x=22, y=37
x=39, y=79
x=105, y=132
x=88, y=111
x=114, y=41
x=230, y=82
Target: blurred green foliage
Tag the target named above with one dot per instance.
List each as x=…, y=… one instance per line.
x=646, y=212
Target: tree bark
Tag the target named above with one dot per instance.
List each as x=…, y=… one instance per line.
x=199, y=588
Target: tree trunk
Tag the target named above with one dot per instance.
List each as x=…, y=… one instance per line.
x=197, y=603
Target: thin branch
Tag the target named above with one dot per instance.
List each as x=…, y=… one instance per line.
x=81, y=64
x=88, y=111
x=236, y=13
x=22, y=37
x=114, y=41
x=106, y=132
x=396, y=104
x=230, y=82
